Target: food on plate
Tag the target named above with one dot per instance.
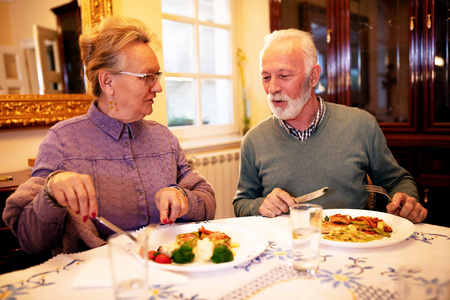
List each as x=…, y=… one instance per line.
x=199, y=246
x=363, y=229
x=158, y=257
x=162, y=259
x=183, y=254
x=222, y=254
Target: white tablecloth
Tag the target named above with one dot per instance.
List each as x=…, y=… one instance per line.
x=370, y=273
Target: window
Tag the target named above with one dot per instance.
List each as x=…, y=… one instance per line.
x=198, y=65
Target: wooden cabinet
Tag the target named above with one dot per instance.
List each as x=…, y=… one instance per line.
x=391, y=59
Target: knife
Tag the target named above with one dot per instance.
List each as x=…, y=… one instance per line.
x=115, y=228
x=311, y=196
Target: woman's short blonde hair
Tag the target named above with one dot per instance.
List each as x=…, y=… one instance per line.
x=101, y=46
x=305, y=40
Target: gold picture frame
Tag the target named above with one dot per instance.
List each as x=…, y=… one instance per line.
x=18, y=111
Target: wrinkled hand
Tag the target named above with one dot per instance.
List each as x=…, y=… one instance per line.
x=276, y=203
x=75, y=191
x=407, y=207
x=171, y=204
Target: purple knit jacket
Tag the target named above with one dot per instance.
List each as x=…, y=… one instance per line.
x=129, y=164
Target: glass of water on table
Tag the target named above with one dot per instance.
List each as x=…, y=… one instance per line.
x=128, y=259
x=306, y=224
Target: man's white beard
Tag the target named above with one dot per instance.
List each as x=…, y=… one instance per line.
x=294, y=106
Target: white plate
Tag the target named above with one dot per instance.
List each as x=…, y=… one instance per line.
x=401, y=228
x=252, y=243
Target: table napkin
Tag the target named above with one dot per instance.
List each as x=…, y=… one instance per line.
x=97, y=273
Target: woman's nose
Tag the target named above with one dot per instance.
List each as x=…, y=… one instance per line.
x=156, y=87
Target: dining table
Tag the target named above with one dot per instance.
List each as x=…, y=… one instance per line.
x=346, y=271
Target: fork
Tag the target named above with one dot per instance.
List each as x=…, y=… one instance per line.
x=377, y=189
x=148, y=230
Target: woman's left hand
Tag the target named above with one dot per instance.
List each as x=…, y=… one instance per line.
x=171, y=204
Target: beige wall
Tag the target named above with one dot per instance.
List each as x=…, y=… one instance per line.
x=5, y=24
x=25, y=13
x=252, y=19
x=252, y=25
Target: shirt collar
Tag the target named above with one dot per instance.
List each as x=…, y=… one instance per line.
x=303, y=135
x=112, y=126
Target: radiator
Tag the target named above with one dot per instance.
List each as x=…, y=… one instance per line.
x=221, y=170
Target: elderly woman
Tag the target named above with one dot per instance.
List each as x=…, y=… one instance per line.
x=109, y=162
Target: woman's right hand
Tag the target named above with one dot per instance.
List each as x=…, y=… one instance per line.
x=75, y=191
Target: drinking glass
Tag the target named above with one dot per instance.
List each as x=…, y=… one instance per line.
x=306, y=224
x=128, y=266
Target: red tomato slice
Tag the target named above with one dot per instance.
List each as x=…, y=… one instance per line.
x=152, y=254
x=162, y=259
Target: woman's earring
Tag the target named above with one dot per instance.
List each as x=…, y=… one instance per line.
x=111, y=102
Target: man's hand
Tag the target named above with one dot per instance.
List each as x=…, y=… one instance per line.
x=171, y=204
x=276, y=203
x=407, y=207
x=75, y=191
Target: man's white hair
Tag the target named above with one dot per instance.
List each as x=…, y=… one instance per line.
x=305, y=40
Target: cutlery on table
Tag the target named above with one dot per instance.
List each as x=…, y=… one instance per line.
x=148, y=230
x=377, y=189
x=311, y=196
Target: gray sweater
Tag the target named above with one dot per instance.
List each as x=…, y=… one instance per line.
x=347, y=145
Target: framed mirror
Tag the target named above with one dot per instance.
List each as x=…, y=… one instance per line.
x=27, y=110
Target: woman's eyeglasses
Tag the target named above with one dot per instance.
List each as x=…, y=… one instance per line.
x=149, y=79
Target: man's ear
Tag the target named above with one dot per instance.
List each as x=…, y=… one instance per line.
x=315, y=74
x=105, y=81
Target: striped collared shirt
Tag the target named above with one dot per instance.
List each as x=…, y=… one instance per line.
x=303, y=135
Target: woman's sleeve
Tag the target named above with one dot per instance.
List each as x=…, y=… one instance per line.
x=201, y=197
x=37, y=224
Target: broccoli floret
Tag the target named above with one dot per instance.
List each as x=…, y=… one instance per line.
x=222, y=254
x=183, y=254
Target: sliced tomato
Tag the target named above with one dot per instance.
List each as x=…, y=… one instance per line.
x=162, y=259
x=152, y=254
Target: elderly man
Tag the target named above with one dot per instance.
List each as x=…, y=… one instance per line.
x=308, y=144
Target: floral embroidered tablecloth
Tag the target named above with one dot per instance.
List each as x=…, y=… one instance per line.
x=345, y=273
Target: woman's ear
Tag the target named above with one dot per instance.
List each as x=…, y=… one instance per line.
x=315, y=74
x=105, y=81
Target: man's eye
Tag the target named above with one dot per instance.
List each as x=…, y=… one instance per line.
x=284, y=76
x=266, y=78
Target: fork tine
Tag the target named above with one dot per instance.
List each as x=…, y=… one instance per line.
x=377, y=189
x=148, y=230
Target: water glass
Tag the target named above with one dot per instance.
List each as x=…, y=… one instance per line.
x=306, y=224
x=128, y=266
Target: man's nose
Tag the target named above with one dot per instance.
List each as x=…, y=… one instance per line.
x=274, y=86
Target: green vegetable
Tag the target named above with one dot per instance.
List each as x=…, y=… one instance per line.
x=222, y=254
x=382, y=232
x=183, y=254
x=327, y=218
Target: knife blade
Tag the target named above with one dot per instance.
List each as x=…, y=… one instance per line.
x=114, y=227
x=311, y=196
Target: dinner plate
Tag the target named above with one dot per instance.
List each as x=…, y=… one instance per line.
x=401, y=228
x=252, y=243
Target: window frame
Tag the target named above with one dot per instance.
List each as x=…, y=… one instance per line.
x=206, y=130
